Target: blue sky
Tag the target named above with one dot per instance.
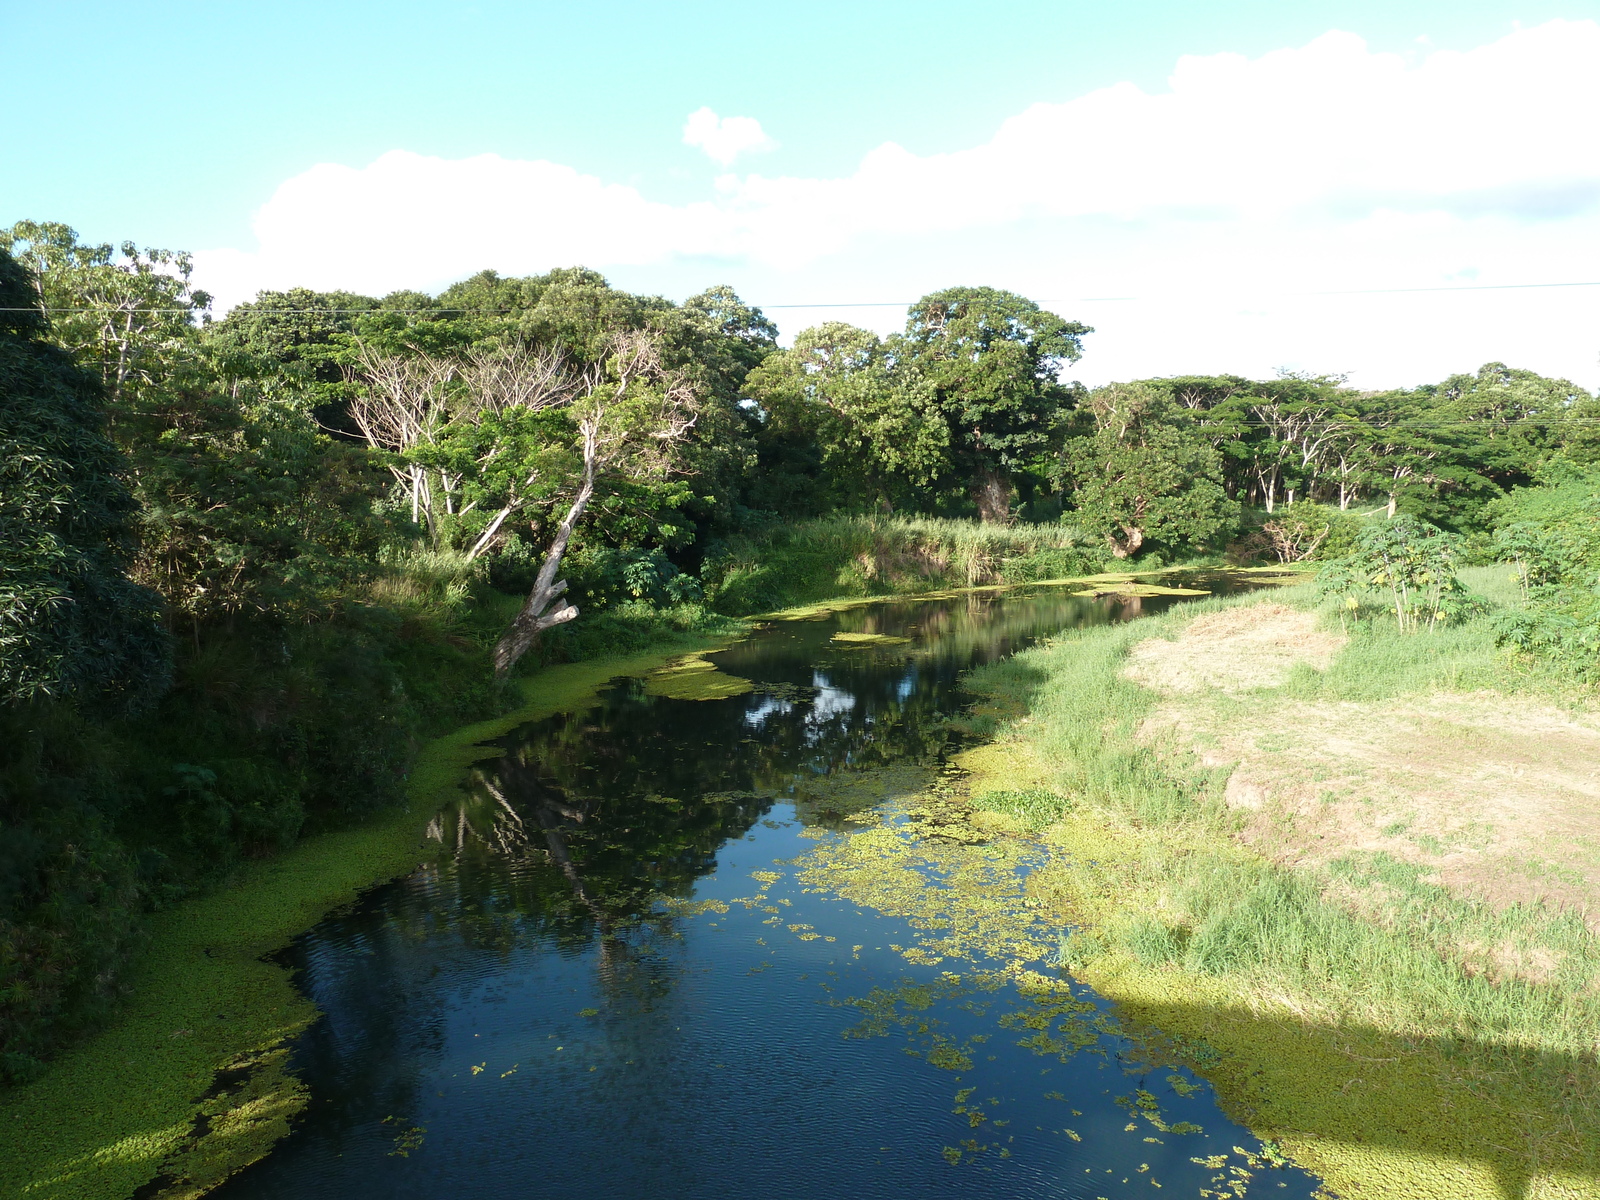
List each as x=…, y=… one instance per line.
x=241, y=131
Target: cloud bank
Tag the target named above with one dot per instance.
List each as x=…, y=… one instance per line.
x=1318, y=168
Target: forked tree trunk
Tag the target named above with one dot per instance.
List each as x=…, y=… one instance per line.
x=536, y=615
x=991, y=492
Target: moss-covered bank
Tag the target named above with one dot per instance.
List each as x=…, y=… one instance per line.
x=186, y=1085
x=1336, y=1004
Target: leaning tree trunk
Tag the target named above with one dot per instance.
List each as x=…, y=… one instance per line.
x=536, y=615
x=991, y=491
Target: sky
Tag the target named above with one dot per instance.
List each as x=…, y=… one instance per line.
x=1356, y=188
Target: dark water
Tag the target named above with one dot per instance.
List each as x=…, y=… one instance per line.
x=574, y=1002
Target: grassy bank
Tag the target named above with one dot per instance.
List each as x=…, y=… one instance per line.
x=187, y=1084
x=882, y=556
x=1395, y=1031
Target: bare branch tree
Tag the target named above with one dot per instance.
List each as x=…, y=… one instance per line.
x=627, y=423
x=500, y=379
x=400, y=406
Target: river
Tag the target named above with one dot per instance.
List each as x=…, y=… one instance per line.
x=629, y=972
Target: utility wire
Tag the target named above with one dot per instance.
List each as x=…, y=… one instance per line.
x=1466, y=287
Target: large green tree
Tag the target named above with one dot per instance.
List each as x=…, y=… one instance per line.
x=881, y=439
x=72, y=624
x=1145, y=477
x=956, y=405
x=992, y=361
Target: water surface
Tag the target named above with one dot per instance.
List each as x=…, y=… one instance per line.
x=616, y=983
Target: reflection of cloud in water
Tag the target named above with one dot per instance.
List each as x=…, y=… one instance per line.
x=830, y=702
x=907, y=686
x=757, y=716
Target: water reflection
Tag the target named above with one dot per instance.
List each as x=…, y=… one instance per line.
x=605, y=987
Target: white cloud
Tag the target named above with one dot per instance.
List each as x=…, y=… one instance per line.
x=725, y=138
x=1317, y=168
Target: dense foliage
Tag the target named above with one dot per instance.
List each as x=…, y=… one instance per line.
x=71, y=622
x=1549, y=535
x=219, y=538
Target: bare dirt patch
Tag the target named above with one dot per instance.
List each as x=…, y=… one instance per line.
x=1235, y=650
x=1498, y=796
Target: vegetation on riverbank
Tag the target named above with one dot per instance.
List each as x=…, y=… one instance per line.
x=862, y=556
x=251, y=565
x=187, y=1084
x=1400, y=1028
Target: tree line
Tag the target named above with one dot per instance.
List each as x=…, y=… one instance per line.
x=271, y=453
x=220, y=535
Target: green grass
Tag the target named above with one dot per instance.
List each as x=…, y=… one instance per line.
x=838, y=557
x=1314, y=979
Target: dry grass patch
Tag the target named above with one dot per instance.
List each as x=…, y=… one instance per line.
x=1234, y=650
x=1497, y=796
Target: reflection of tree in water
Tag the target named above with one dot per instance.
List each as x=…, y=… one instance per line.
x=569, y=844
x=591, y=866
x=588, y=821
x=607, y=812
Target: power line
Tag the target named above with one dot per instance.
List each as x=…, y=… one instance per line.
x=1467, y=287
x=1464, y=287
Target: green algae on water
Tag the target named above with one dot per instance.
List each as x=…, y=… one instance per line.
x=1139, y=589
x=870, y=639
x=963, y=900
x=692, y=677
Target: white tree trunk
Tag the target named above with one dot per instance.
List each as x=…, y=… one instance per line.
x=535, y=616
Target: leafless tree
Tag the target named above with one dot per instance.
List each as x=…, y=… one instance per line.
x=400, y=406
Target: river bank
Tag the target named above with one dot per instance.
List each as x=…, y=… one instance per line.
x=1305, y=857
x=203, y=1032
x=430, y=625
x=186, y=1085
x=1450, y=1078
x=202, y=1013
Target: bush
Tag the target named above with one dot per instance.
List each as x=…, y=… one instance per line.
x=1550, y=537
x=606, y=576
x=1300, y=532
x=69, y=893
x=1411, y=563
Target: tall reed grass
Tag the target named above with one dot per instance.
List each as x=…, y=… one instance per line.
x=887, y=555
